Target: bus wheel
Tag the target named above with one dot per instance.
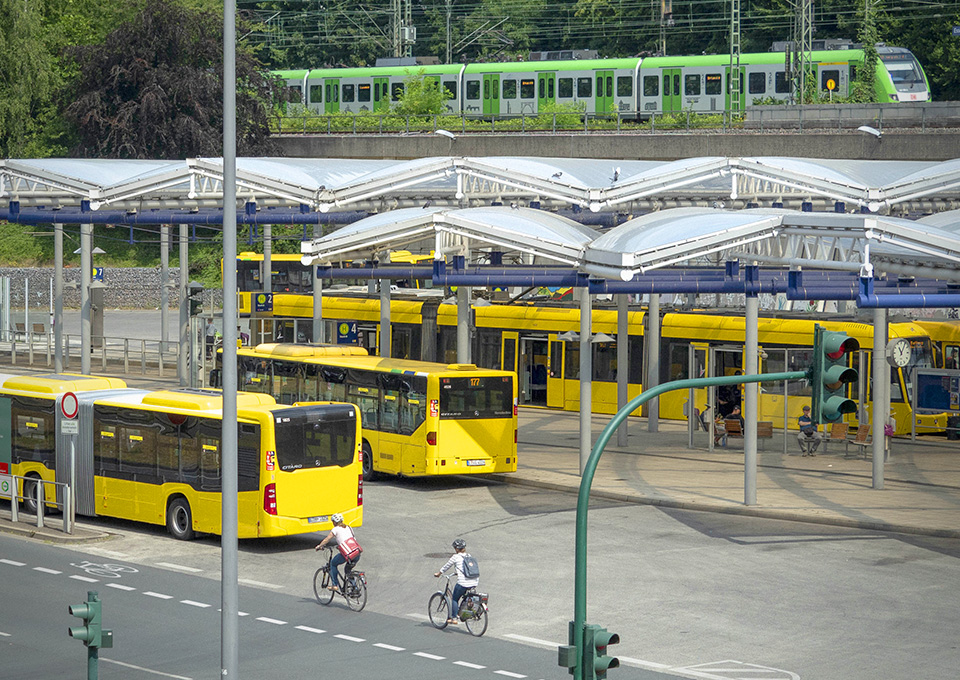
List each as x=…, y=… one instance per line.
x=30, y=485
x=180, y=520
x=369, y=474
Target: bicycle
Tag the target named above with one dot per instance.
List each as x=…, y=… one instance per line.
x=473, y=608
x=353, y=585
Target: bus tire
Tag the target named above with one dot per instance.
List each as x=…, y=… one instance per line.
x=369, y=474
x=180, y=519
x=29, y=502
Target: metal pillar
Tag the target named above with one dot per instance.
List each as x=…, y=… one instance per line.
x=881, y=393
x=86, y=263
x=164, y=289
x=185, y=343
x=58, y=298
x=751, y=367
x=623, y=358
x=586, y=375
x=386, y=344
x=267, y=258
x=652, y=378
x=317, y=294
x=463, y=325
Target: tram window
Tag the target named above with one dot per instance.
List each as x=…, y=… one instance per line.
x=509, y=89
x=799, y=360
x=528, y=89
x=781, y=84
x=316, y=94
x=714, y=84
x=584, y=87
x=571, y=365
x=363, y=93
x=556, y=359
x=473, y=89
x=635, y=352
x=447, y=346
x=605, y=361
x=624, y=86
x=896, y=390
x=691, y=84
x=651, y=86
x=757, y=82
x=349, y=93
x=451, y=87
x=405, y=340
x=487, y=353
x=677, y=363
x=565, y=87
x=828, y=78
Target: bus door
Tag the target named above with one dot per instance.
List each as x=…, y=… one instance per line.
x=491, y=94
x=743, y=79
x=331, y=95
x=546, y=90
x=672, y=101
x=604, y=100
x=381, y=94
x=555, y=359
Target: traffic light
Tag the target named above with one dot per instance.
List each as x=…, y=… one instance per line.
x=596, y=662
x=830, y=375
x=91, y=633
x=195, y=297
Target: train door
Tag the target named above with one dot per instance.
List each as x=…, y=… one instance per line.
x=546, y=90
x=555, y=359
x=604, y=100
x=331, y=95
x=743, y=79
x=381, y=94
x=491, y=94
x=672, y=100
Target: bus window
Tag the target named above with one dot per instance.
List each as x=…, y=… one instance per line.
x=105, y=454
x=248, y=457
x=390, y=410
x=368, y=399
x=413, y=405
x=951, y=356
x=256, y=374
x=209, y=438
x=286, y=376
x=33, y=438
x=476, y=397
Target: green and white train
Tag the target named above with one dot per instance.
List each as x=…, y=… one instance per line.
x=631, y=86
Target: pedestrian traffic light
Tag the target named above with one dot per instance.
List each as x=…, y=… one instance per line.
x=830, y=375
x=596, y=662
x=91, y=633
x=195, y=297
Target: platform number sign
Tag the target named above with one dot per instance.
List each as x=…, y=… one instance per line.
x=346, y=332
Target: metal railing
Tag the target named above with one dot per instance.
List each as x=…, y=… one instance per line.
x=65, y=504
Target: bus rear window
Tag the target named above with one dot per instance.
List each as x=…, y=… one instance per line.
x=489, y=397
x=315, y=437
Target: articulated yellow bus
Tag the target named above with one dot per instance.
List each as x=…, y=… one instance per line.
x=419, y=418
x=155, y=456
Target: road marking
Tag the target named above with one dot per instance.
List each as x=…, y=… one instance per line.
x=12, y=563
x=47, y=571
x=85, y=579
x=159, y=596
x=120, y=586
x=382, y=645
x=311, y=630
x=731, y=669
x=509, y=674
x=249, y=582
x=349, y=638
x=651, y=665
x=2, y=634
x=469, y=665
x=109, y=553
x=202, y=605
x=145, y=670
x=429, y=656
x=276, y=622
x=532, y=641
x=178, y=567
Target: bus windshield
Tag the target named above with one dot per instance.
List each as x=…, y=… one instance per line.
x=309, y=437
x=490, y=397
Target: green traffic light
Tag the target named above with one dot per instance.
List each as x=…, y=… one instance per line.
x=596, y=662
x=89, y=611
x=830, y=375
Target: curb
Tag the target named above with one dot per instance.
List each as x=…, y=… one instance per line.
x=51, y=535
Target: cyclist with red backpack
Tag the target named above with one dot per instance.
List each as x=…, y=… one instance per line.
x=350, y=550
x=468, y=576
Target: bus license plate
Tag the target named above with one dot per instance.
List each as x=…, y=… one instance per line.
x=476, y=462
x=317, y=520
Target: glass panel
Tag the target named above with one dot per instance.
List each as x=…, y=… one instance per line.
x=714, y=84
x=651, y=86
x=691, y=84
x=565, y=87
x=509, y=89
x=476, y=397
x=527, y=90
x=758, y=83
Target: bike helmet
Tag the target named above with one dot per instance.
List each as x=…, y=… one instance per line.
x=337, y=518
x=459, y=544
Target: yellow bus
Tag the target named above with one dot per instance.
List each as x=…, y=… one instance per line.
x=419, y=418
x=155, y=457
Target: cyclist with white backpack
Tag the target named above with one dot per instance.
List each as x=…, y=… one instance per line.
x=468, y=576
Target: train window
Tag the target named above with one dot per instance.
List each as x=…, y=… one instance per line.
x=584, y=87
x=830, y=80
x=550, y=85
x=651, y=86
x=781, y=84
x=609, y=80
x=316, y=94
x=396, y=91
x=336, y=92
x=348, y=93
x=451, y=87
x=528, y=89
x=473, y=89
x=486, y=89
x=363, y=93
x=676, y=83
x=691, y=84
x=542, y=88
x=757, y=82
x=376, y=92
x=624, y=86
x=714, y=84
x=565, y=87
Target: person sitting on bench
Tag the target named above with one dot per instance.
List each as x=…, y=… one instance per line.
x=808, y=437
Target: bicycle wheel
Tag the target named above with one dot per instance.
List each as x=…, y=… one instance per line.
x=356, y=593
x=438, y=610
x=477, y=624
x=320, y=582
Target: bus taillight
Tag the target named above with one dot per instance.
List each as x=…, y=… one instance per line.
x=432, y=438
x=360, y=489
x=270, y=499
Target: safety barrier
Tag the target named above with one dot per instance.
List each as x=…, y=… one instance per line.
x=19, y=486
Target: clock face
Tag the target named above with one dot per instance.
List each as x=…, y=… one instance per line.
x=900, y=352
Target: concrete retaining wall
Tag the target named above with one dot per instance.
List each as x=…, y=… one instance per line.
x=127, y=288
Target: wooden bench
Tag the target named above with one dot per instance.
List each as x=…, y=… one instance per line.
x=764, y=430
x=21, y=332
x=863, y=440
x=732, y=426
x=39, y=329
x=838, y=433
x=735, y=430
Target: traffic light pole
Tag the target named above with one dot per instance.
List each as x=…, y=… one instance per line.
x=586, y=481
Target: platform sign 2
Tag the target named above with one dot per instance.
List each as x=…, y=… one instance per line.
x=263, y=302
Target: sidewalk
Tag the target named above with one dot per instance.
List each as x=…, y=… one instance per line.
x=52, y=530
x=921, y=491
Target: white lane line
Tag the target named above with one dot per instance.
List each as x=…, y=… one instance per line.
x=318, y=631
x=44, y=570
x=145, y=670
x=382, y=645
x=250, y=582
x=276, y=622
x=469, y=665
x=201, y=605
x=120, y=586
x=13, y=563
x=509, y=674
x=2, y=634
x=349, y=638
x=429, y=656
x=159, y=596
x=85, y=579
x=532, y=641
x=178, y=567
x=238, y=613
x=109, y=553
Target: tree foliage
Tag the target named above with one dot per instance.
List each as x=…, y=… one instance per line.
x=421, y=96
x=154, y=89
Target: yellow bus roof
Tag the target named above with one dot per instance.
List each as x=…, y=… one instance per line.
x=204, y=400
x=370, y=363
x=59, y=383
x=291, y=350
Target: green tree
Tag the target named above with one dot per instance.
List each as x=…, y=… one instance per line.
x=153, y=89
x=421, y=96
